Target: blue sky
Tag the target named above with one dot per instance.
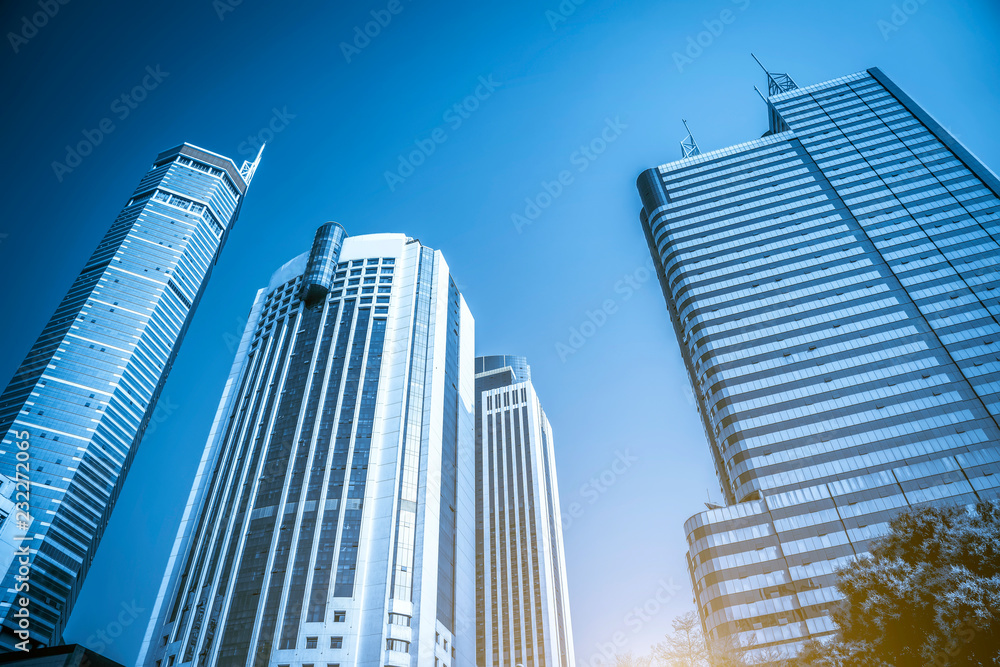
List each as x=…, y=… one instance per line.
x=550, y=84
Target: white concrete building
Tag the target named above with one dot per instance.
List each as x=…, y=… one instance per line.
x=523, y=615
x=331, y=521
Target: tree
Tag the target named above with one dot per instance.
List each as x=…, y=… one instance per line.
x=733, y=651
x=685, y=647
x=772, y=655
x=727, y=652
x=929, y=594
x=837, y=654
x=630, y=660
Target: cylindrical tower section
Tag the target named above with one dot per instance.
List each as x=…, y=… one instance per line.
x=651, y=191
x=519, y=365
x=323, y=257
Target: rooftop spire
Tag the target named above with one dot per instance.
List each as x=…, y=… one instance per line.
x=689, y=146
x=777, y=82
x=248, y=168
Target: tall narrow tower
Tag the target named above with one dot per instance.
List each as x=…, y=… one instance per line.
x=331, y=521
x=77, y=406
x=522, y=610
x=831, y=286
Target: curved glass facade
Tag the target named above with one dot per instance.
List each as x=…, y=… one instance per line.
x=519, y=365
x=322, y=263
x=87, y=389
x=831, y=290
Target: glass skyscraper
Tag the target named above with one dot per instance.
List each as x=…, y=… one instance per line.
x=832, y=287
x=331, y=521
x=522, y=610
x=78, y=405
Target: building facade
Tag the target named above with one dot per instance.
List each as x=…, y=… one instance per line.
x=331, y=521
x=522, y=603
x=78, y=405
x=831, y=286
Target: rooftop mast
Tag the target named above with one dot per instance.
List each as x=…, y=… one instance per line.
x=689, y=147
x=777, y=82
x=248, y=168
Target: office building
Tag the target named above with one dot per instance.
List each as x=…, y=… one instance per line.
x=522, y=603
x=831, y=286
x=331, y=520
x=78, y=405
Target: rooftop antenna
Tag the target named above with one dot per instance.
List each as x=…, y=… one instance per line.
x=710, y=504
x=248, y=168
x=777, y=82
x=689, y=147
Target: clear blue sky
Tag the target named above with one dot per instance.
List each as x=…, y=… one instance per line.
x=345, y=124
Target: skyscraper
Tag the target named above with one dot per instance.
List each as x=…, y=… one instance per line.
x=522, y=609
x=831, y=285
x=331, y=521
x=77, y=406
